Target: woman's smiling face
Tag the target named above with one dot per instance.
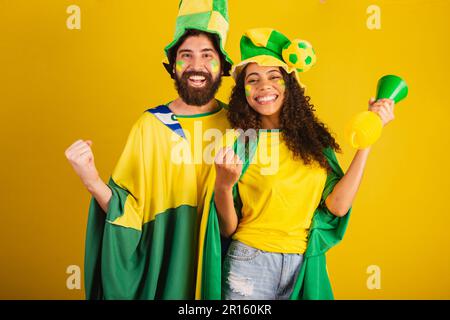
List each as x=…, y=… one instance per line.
x=264, y=89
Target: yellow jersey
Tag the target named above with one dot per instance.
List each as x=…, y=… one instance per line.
x=202, y=132
x=279, y=196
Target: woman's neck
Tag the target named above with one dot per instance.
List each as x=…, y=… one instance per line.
x=270, y=122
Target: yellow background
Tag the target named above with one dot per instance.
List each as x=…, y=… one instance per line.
x=58, y=85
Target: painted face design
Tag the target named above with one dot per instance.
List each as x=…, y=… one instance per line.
x=214, y=66
x=248, y=90
x=179, y=65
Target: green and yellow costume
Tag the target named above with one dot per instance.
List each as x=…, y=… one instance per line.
x=146, y=245
x=146, y=248
x=317, y=230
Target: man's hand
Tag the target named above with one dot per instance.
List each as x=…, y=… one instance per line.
x=81, y=158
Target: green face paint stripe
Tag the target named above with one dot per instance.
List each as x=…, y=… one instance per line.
x=215, y=66
x=179, y=65
x=248, y=89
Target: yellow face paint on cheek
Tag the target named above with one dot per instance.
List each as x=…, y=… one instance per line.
x=248, y=90
x=179, y=65
x=282, y=84
x=214, y=66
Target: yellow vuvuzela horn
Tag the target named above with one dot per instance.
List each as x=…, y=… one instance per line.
x=365, y=128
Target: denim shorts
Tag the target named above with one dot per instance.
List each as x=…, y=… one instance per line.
x=253, y=274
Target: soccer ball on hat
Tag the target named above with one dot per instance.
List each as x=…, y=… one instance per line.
x=299, y=54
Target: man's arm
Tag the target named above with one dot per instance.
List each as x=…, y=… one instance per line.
x=81, y=158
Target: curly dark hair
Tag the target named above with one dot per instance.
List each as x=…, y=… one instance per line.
x=305, y=135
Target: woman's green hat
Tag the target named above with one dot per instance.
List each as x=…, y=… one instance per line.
x=205, y=15
x=269, y=47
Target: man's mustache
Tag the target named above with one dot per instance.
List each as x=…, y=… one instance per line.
x=187, y=74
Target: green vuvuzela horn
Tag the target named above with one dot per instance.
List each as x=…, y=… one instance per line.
x=365, y=128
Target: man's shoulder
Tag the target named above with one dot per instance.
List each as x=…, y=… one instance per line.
x=148, y=118
x=162, y=115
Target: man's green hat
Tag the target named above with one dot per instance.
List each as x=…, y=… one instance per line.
x=269, y=47
x=205, y=15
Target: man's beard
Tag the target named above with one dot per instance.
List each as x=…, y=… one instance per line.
x=197, y=96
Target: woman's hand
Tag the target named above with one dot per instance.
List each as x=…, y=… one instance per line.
x=384, y=108
x=228, y=169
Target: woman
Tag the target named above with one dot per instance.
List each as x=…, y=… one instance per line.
x=299, y=208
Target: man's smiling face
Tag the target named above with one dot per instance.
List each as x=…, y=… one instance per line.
x=197, y=70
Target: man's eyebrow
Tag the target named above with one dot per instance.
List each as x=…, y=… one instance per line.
x=184, y=50
x=190, y=51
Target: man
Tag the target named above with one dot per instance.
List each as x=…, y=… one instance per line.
x=142, y=231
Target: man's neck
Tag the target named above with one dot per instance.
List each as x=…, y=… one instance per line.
x=180, y=107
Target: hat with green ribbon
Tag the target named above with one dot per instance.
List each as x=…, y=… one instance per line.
x=269, y=47
x=205, y=15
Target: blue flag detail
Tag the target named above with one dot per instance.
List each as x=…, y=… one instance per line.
x=166, y=116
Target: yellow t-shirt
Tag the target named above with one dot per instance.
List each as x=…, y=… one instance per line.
x=203, y=131
x=279, y=196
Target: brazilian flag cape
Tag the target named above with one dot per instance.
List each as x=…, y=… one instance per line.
x=145, y=246
x=325, y=232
